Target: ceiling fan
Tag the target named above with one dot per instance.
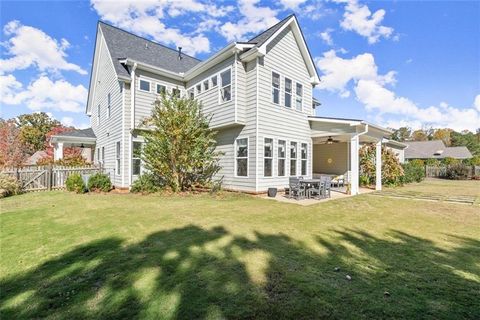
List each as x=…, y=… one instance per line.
x=330, y=140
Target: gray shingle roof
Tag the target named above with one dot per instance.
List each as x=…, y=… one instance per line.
x=122, y=44
x=259, y=39
x=83, y=133
x=435, y=149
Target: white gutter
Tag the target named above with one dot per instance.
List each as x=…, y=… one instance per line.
x=153, y=69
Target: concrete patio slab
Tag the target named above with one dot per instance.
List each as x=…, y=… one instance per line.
x=335, y=194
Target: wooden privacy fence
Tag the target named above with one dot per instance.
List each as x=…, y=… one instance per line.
x=441, y=172
x=37, y=178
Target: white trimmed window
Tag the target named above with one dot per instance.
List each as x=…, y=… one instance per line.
x=241, y=157
x=303, y=156
x=117, y=157
x=98, y=113
x=176, y=92
x=199, y=88
x=288, y=93
x=205, y=85
x=268, y=157
x=282, y=153
x=109, y=106
x=98, y=155
x=136, y=158
x=293, y=158
x=144, y=85
x=214, y=80
x=161, y=88
x=103, y=156
x=226, y=85
x=191, y=93
x=299, y=96
x=275, y=88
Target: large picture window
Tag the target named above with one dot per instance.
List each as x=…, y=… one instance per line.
x=293, y=158
x=226, y=83
x=275, y=87
x=282, y=152
x=303, y=156
x=136, y=160
x=268, y=157
x=241, y=157
x=288, y=93
x=299, y=96
x=117, y=157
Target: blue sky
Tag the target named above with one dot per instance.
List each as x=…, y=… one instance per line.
x=395, y=63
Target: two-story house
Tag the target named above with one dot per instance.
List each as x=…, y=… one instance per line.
x=258, y=92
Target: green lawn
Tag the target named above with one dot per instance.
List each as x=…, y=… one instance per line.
x=67, y=256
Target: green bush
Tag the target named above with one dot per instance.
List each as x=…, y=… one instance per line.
x=450, y=161
x=433, y=162
x=75, y=183
x=458, y=171
x=413, y=171
x=147, y=183
x=99, y=182
x=9, y=186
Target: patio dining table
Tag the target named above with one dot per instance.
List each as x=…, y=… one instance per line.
x=310, y=182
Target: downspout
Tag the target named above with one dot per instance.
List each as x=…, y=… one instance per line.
x=122, y=151
x=256, y=125
x=132, y=122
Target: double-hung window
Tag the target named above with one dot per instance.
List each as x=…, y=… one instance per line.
x=275, y=87
x=191, y=94
x=145, y=85
x=199, y=88
x=268, y=157
x=176, y=92
x=288, y=93
x=299, y=96
x=226, y=83
x=282, y=152
x=117, y=157
x=241, y=157
x=214, y=81
x=303, y=156
x=293, y=158
x=109, y=105
x=136, y=157
x=205, y=85
x=98, y=155
x=161, y=89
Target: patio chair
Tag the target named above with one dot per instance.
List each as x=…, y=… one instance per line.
x=316, y=191
x=296, y=189
x=338, y=181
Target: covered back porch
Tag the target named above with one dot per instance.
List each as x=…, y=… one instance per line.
x=336, y=145
x=84, y=139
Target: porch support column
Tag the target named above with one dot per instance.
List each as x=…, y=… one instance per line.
x=58, y=151
x=378, y=165
x=354, y=165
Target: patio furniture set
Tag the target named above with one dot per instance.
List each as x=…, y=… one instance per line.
x=300, y=188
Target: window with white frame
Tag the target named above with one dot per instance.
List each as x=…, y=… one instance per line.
x=226, y=85
x=136, y=158
x=268, y=157
x=293, y=158
x=282, y=153
x=205, y=85
x=191, y=93
x=299, y=96
x=303, y=156
x=161, y=88
x=98, y=113
x=117, y=157
x=176, y=92
x=275, y=88
x=98, y=155
x=144, y=85
x=288, y=93
x=241, y=157
x=214, y=81
x=109, y=106
x=103, y=156
x=199, y=88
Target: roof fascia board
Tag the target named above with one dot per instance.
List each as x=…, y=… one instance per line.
x=339, y=121
x=72, y=139
x=221, y=55
x=93, y=71
x=153, y=69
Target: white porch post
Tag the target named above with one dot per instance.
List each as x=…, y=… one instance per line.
x=354, y=165
x=58, y=151
x=378, y=165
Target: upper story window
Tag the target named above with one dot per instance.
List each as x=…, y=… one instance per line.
x=176, y=92
x=191, y=93
x=161, y=88
x=299, y=96
x=268, y=157
x=275, y=87
x=241, y=157
x=205, y=85
x=226, y=83
x=214, y=80
x=109, y=106
x=199, y=88
x=288, y=93
x=144, y=85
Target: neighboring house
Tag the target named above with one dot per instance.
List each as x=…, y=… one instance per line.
x=434, y=149
x=259, y=94
x=398, y=148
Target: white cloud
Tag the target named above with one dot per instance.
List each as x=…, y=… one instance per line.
x=359, y=18
x=292, y=4
x=327, y=37
x=28, y=46
x=43, y=94
x=145, y=18
x=67, y=121
x=477, y=102
x=254, y=20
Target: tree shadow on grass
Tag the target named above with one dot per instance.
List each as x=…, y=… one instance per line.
x=194, y=273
